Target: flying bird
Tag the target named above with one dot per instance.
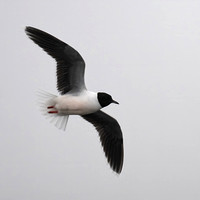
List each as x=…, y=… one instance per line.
x=75, y=99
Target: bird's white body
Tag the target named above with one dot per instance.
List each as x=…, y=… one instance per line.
x=84, y=103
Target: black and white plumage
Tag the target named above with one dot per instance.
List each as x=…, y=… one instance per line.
x=75, y=99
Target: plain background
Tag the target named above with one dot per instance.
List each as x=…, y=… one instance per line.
x=145, y=53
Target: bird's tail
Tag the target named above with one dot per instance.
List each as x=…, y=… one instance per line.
x=46, y=102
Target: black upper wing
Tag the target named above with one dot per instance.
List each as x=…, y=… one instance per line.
x=70, y=64
x=111, y=138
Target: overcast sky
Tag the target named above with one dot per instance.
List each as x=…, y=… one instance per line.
x=146, y=54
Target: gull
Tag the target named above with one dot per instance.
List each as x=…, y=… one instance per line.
x=75, y=99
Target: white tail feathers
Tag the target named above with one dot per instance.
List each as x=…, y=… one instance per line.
x=46, y=100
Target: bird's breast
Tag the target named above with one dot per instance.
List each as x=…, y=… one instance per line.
x=82, y=104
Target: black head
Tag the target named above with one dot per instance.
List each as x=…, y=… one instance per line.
x=105, y=99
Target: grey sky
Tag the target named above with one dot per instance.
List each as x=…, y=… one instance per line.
x=144, y=53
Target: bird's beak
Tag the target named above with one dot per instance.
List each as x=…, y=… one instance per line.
x=113, y=101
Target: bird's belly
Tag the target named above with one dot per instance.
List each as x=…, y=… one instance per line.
x=76, y=105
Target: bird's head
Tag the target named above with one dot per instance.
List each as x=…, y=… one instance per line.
x=105, y=99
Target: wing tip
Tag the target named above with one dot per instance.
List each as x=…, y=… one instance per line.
x=31, y=32
x=28, y=29
x=118, y=163
x=115, y=155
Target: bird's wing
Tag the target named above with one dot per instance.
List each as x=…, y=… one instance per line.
x=111, y=138
x=70, y=64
